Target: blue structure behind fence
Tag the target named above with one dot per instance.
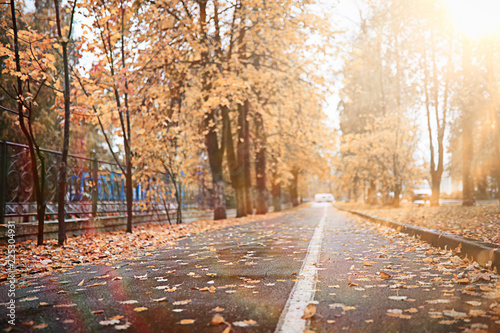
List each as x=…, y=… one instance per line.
x=94, y=187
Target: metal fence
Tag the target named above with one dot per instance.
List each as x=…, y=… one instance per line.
x=94, y=187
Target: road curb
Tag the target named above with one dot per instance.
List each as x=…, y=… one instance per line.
x=485, y=254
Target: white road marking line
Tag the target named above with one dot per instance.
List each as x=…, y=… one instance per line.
x=303, y=292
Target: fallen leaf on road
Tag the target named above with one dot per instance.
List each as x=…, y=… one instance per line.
x=477, y=313
x=438, y=301
x=187, y=321
x=218, y=309
x=109, y=322
x=184, y=302
x=81, y=283
x=27, y=299
x=97, y=311
x=140, y=309
x=473, y=303
x=65, y=305
x=309, y=311
x=217, y=319
x=123, y=327
x=244, y=323
x=384, y=275
x=454, y=314
x=163, y=299
x=132, y=301
x=40, y=326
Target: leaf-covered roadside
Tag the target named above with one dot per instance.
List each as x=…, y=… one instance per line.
x=107, y=247
x=480, y=222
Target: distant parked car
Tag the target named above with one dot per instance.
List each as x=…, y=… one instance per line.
x=421, y=195
x=324, y=197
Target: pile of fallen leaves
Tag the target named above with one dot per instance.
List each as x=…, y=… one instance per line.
x=107, y=247
x=481, y=222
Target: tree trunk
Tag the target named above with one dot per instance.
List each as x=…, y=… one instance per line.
x=467, y=130
x=178, y=198
x=294, y=188
x=38, y=190
x=372, y=194
x=436, y=189
x=61, y=198
x=276, y=193
x=260, y=166
x=397, y=193
x=246, y=157
x=129, y=188
x=243, y=159
x=214, y=152
x=234, y=164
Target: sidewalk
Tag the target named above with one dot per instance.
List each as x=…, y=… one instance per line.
x=471, y=232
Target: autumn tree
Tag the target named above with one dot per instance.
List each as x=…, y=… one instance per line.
x=29, y=63
x=108, y=85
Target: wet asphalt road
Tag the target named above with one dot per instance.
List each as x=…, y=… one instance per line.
x=246, y=273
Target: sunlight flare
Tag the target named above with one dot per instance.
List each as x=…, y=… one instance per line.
x=476, y=18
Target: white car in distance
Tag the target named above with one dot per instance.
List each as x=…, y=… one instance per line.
x=324, y=197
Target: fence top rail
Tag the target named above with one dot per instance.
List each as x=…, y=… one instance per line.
x=21, y=145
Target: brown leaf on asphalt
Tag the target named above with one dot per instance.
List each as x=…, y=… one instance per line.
x=40, y=326
x=163, y=299
x=309, y=311
x=132, y=301
x=97, y=311
x=463, y=280
x=122, y=327
x=81, y=283
x=187, y=321
x=227, y=329
x=70, y=305
x=217, y=319
x=218, y=309
x=366, y=263
x=184, y=302
x=140, y=309
x=384, y=275
x=110, y=321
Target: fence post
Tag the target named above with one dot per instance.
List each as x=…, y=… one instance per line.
x=4, y=157
x=95, y=181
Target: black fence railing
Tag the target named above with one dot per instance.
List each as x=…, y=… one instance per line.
x=94, y=188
